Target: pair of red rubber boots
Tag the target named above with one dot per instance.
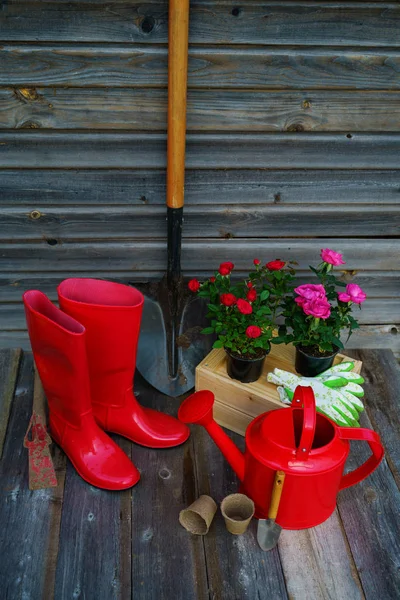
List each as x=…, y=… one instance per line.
x=85, y=354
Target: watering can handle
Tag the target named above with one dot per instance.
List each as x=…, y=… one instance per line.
x=373, y=439
x=304, y=398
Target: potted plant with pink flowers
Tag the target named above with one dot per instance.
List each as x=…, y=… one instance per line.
x=242, y=314
x=315, y=315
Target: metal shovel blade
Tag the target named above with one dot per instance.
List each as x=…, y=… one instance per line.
x=170, y=343
x=268, y=532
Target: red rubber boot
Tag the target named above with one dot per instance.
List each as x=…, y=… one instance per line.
x=111, y=314
x=59, y=350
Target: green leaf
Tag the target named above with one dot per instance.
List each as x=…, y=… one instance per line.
x=264, y=295
x=207, y=330
x=218, y=344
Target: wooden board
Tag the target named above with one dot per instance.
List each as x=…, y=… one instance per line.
x=247, y=399
x=368, y=336
x=142, y=256
x=318, y=564
x=258, y=22
x=382, y=384
x=86, y=554
x=236, y=567
x=36, y=189
x=377, y=284
x=370, y=514
x=167, y=561
x=36, y=149
x=353, y=555
x=269, y=67
x=9, y=365
x=218, y=221
x=145, y=109
x=30, y=520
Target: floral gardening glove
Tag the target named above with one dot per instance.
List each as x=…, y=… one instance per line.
x=337, y=391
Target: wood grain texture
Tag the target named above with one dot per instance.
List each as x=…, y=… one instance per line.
x=94, y=551
x=167, y=561
x=318, y=564
x=375, y=311
x=143, y=256
x=211, y=22
x=370, y=514
x=73, y=224
x=236, y=566
x=9, y=365
x=35, y=149
x=377, y=284
x=368, y=336
x=207, y=110
x=131, y=66
x=29, y=519
x=41, y=188
x=382, y=383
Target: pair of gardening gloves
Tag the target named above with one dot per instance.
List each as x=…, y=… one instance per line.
x=337, y=391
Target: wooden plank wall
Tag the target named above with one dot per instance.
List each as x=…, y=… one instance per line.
x=293, y=144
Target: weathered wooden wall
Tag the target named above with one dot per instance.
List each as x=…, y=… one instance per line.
x=293, y=144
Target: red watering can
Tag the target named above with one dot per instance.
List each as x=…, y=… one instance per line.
x=310, y=448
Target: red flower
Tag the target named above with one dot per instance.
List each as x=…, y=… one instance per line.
x=227, y=299
x=256, y=261
x=194, y=285
x=212, y=279
x=224, y=270
x=244, y=307
x=275, y=265
x=249, y=284
x=227, y=265
x=253, y=331
x=251, y=295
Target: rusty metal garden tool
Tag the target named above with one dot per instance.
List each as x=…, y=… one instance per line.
x=170, y=346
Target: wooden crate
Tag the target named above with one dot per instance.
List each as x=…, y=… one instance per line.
x=236, y=404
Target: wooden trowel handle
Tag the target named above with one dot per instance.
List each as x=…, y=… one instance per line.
x=178, y=32
x=276, y=494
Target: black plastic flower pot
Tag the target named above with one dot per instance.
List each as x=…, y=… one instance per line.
x=310, y=366
x=245, y=370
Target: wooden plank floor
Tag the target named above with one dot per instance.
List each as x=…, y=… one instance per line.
x=76, y=541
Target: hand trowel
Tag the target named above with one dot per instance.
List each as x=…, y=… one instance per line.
x=268, y=530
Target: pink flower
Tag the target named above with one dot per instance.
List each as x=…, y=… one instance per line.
x=353, y=293
x=244, y=307
x=331, y=257
x=309, y=291
x=253, y=331
x=317, y=307
x=343, y=297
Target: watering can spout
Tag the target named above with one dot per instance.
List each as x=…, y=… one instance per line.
x=198, y=409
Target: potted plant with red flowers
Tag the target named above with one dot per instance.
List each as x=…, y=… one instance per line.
x=243, y=313
x=317, y=314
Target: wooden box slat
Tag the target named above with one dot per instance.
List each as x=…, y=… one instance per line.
x=236, y=404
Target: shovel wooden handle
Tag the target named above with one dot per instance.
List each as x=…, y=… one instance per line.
x=178, y=33
x=276, y=494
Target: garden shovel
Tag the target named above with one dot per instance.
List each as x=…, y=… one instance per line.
x=170, y=343
x=268, y=530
